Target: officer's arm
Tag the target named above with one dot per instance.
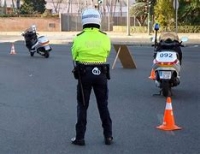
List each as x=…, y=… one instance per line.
x=74, y=50
x=108, y=46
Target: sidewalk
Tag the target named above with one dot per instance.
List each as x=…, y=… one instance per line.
x=116, y=37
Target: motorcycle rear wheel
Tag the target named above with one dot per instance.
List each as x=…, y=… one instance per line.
x=166, y=89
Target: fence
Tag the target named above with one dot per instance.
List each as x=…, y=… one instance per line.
x=72, y=22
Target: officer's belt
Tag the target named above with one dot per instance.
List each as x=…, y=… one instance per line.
x=84, y=67
x=91, y=63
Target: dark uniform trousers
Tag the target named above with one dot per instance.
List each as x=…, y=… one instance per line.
x=98, y=83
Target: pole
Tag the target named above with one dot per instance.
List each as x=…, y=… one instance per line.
x=148, y=15
x=128, y=18
x=109, y=15
x=176, y=8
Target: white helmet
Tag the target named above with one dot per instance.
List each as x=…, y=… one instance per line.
x=91, y=16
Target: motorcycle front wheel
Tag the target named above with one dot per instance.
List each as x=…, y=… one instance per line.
x=32, y=54
x=46, y=55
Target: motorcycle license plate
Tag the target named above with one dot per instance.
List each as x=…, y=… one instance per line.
x=165, y=74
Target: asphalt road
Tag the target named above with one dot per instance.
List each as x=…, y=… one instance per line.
x=38, y=105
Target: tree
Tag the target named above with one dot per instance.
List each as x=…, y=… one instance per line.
x=140, y=10
x=164, y=12
x=57, y=5
x=33, y=6
x=189, y=12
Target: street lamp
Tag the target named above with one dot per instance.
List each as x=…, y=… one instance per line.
x=148, y=5
x=128, y=18
x=97, y=6
x=100, y=1
x=176, y=6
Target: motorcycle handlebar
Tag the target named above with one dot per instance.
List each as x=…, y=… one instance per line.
x=168, y=44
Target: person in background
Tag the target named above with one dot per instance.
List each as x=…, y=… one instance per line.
x=30, y=36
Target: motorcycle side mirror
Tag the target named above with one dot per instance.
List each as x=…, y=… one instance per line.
x=156, y=27
x=184, y=39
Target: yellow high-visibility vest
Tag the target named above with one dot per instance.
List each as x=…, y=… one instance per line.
x=91, y=45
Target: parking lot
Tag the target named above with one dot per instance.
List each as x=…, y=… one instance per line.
x=38, y=105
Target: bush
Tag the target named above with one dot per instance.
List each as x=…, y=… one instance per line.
x=143, y=29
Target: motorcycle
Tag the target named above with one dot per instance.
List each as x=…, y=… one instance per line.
x=35, y=43
x=167, y=61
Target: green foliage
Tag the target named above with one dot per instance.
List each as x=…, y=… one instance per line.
x=189, y=29
x=143, y=29
x=164, y=12
x=48, y=14
x=140, y=10
x=189, y=12
x=26, y=8
x=137, y=9
x=32, y=6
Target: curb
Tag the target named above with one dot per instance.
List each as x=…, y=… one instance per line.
x=135, y=39
x=124, y=42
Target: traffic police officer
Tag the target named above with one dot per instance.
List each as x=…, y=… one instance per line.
x=90, y=50
x=30, y=35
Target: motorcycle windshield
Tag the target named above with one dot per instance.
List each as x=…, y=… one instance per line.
x=168, y=35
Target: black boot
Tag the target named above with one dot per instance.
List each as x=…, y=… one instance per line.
x=80, y=142
x=108, y=140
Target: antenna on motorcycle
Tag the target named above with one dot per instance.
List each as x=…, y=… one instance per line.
x=156, y=28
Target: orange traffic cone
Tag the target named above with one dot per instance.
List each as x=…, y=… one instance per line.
x=12, y=51
x=152, y=75
x=168, y=119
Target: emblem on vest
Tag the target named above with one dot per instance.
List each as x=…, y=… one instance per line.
x=96, y=71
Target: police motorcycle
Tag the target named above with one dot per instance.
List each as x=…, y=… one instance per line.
x=35, y=43
x=167, y=60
